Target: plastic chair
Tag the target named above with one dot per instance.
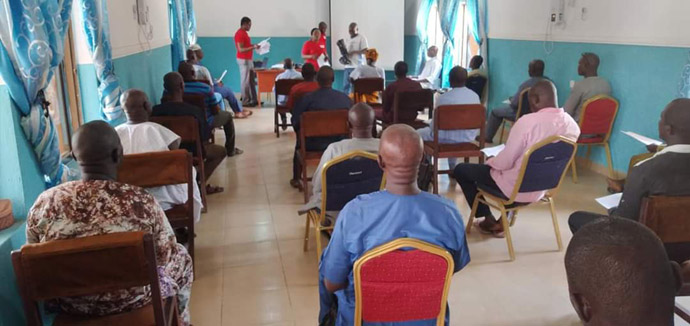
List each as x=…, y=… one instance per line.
x=157, y=169
x=91, y=266
x=283, y=88
x=319, y=123
x=523, y=108
x=543, y=168
x=596, y=124
x=342, y=180
x=367, y=86
x=667, y=216
x=455, y=117
x=396, y=285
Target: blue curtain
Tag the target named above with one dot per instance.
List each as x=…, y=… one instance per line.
x=422, y=22
x=32, y=34
x=190, y=22
x=478, y=13
x=182, y=28
x=448, y=12
x=96, y=27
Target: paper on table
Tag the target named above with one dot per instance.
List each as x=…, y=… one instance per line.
x=610, y=201
x=642, y=139
x=493, y=151
x=264, y=47
x=220, y=79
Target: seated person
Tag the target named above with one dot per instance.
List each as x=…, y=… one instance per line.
x=476, y=67
x=307, y=86
x=616, y=185
x=369, y=70
x=666, y=173
x=289, y=73
x=138, y=135
x=174, y=105
x=214, y=115
x=401, y=84
x=431, y=74
x=194, y=57
x=362, y=120
x=587, y=88
x=458, y=95
x=509, y=111
x=400, y=211
x=619, y=274
x=67, y=211
x=501, y=172
x=325, y=98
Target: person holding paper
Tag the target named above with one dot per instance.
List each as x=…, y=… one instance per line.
x=501, y=172
x=311, y=50
x=245, y=55
x=666, y=173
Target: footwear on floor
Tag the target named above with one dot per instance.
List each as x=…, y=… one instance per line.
x=235, y=152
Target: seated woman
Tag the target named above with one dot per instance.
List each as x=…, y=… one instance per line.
x=369, y=70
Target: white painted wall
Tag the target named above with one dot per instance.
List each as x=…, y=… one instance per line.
x=641, y=22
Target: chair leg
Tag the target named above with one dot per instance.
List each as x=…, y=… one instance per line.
x=319, y=246
x=475, y=205
x=573, y=165
x=435, y=176
x=512, y=220
x=202, y=184
x=305, y=182
x=506, y=229
x=609, y=160
x=306, y=233
x=503, y=127
x=275, y=123
x=556, y=229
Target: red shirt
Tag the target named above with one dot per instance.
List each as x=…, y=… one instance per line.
x=322, y=42
x=298, y=91
x=313, y=48
x=242, y=37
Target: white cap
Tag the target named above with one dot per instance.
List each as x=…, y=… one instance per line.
x=195, y=47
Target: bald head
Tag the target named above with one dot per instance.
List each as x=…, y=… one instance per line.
x=674, y=126
x=457, y=77
x=136, y=105
x=325, y=77
x=173, y=83
x=186, y=70
x=542, y=95
x=400, y=153
x=97, y=148
x=536, y=68
x=619, y=274
x=361, y=117
x=432, y=52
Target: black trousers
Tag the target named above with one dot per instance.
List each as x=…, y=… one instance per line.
x=468, y=176
x=224, y=119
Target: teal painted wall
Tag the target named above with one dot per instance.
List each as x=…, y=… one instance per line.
x=144, y=70
x=644, y=79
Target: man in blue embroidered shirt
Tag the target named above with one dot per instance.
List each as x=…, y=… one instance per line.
x=401, y=211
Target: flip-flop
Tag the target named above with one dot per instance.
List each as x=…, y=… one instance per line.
x=210, y=190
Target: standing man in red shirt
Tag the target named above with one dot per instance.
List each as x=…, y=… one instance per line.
x=312, y=50
x=323, y=28
x=245, y=55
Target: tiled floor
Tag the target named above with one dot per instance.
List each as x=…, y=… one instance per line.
x=251, y=269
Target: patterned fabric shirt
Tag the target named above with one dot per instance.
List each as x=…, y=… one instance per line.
x=87, y=208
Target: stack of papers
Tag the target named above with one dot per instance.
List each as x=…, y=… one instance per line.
x=610, y=201
x=220, y=79
x=264, y=47
x=493, y=151
x=642, y=139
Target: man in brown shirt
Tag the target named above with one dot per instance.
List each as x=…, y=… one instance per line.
x=402, y=84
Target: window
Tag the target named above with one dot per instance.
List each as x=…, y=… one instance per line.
x=465, y=45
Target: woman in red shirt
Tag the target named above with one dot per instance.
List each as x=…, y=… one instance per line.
x=312, y=49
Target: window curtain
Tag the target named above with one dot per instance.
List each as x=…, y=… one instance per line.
x=182, y=29
x=190, y=22
x=422, y=21
x=97, y=29
x=477, y=11
x=32, y=35
x=448, y=12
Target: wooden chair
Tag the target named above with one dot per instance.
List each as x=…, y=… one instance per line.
x=199, y=101
x=669, y=218
x=283, y=88
x=543, y=169
x=478, y=84
x=406, y=106
x=523, y=108
x=157, y=169
x=188, y=130
x=321, y=123
x=395, y=284
x=596, y=124
x=342, y=179
x=91, y=266
x=455, y=117
x=365, y=86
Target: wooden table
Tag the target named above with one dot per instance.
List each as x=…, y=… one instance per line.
x=266, y=80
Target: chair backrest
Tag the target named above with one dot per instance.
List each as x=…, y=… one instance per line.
x=283, y=86
x=348, y=176
x=197, y=100
x=156, y=169
x=184, y=126
x=669, y=218
x=598, y=115
x=523, y=105
x=368, y=85
x=477, y=84
x=403, y=280
x=86, y=266
x=544, y=165
x=407, y=104
x=459, y=117
x=324, y=123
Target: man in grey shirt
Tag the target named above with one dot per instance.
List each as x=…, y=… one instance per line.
x=587, y=88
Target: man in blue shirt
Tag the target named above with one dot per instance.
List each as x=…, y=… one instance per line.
x=324, y=98
x=401, y=211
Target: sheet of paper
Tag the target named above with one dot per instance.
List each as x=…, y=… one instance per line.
x=493, y=151
x=507, y=101
x=642, y=139
x=321, y=60
x=610, y=201
x=220, y=79
x=264, y=47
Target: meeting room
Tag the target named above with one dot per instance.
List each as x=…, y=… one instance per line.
x=344, y=162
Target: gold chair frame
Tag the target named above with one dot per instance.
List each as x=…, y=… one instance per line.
x=605, y=141
x=517, y=114
x=501, y=204
x=314, y=217
x=395, y=245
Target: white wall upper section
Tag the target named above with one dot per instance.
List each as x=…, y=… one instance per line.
x=641, y=22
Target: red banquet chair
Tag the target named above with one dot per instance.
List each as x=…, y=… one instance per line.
x=596, y=124
x=395, y=285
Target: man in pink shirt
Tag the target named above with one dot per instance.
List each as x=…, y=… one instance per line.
x=501, y=172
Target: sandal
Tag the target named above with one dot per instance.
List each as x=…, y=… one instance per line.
x=210, y=190
x=296, y=184
x=490, y=228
